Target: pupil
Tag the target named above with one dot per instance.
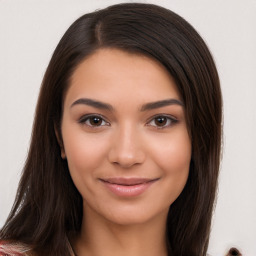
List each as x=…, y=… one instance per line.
x=161, y=121
x=95, y=121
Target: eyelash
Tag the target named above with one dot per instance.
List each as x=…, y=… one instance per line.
x=170, y=121
x=167, y=119
x=88, y=118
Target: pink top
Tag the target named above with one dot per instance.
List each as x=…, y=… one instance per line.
x=13, y=249
x=19, y=249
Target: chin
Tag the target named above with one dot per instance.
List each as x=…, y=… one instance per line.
x=134, y=215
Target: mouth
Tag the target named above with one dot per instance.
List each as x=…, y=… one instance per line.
x=128, y=187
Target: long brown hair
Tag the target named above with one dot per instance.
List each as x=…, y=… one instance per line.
x=48, y=207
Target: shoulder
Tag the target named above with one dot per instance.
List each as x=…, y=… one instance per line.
x=14, y=249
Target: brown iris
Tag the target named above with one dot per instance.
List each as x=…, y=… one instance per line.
x=95, y=121
x=161, y=121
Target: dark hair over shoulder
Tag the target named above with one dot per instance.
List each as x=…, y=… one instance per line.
x=48, y=207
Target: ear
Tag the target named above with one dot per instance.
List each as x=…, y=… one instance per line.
x=60, y=141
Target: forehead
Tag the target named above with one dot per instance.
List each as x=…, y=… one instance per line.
x=115, y=73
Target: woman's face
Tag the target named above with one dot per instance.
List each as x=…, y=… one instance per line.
x=125, y=137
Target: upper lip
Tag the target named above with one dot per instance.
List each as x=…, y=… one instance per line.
x=128, y=181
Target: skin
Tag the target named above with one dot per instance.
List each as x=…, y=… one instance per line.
x=128, y=139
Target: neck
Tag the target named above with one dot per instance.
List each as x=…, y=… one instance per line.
x=102, y=237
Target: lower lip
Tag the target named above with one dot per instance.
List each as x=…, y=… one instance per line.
x=128, y=191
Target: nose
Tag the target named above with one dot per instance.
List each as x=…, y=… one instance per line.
x=127, y=148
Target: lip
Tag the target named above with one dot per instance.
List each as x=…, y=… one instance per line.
x=127, y=187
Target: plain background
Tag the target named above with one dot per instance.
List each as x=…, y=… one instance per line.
x=31, y=29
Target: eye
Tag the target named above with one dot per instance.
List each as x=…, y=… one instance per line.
x=93, y=121
x=162, y=121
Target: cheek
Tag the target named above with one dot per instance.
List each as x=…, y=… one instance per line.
x=173, y=157
x=84, y=152
x=173, y=154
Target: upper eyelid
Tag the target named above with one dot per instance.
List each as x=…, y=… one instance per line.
x=172, y=119
x=86, y=116
x=162, y=115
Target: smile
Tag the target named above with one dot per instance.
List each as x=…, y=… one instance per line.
x=128, y=187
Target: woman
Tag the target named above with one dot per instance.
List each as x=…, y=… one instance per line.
x=125, y=149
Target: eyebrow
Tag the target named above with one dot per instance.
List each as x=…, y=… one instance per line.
x=93, y=103
x=160, y=104
x=145, y=107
